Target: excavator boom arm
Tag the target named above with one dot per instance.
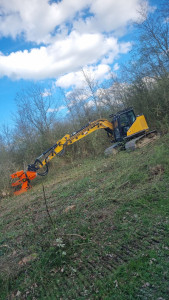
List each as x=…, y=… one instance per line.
x=76, y=136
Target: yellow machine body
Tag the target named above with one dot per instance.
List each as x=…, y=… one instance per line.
x=139, y=125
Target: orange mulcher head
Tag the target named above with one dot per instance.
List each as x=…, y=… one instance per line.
x=23, y=180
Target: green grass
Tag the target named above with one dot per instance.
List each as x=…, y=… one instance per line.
x=113, y=245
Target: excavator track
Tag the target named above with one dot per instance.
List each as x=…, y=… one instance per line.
x=142, y=140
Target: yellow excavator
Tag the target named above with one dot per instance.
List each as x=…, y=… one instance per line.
x=126, y=131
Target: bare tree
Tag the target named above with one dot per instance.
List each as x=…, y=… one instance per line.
x=92, y=86
x=150, y=54
x=34, y=120
x=33, y=108
x=78, y=105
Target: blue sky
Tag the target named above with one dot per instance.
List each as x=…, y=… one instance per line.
x=49, y=42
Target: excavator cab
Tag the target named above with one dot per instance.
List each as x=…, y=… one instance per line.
x=122, y=122
x=126, y=125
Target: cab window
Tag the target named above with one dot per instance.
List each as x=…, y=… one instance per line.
x=124, y=120
x=132, y=117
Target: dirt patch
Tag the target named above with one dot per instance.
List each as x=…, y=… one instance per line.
x=152, y=137
x=27, y=259
x=69, y=208
x=157, y=170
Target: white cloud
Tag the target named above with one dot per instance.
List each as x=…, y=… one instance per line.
x=51, y=110
x=109, y=15
x=90, y=103
x=37, y=19
x=61, y=57
x=74, y=33
x=77, y=79
x=116, y=67
x=46, y=93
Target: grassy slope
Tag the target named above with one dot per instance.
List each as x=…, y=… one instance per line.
x=113, y=245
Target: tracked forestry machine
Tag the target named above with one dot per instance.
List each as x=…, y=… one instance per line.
x=126, y=131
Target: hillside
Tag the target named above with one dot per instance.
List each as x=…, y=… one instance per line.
x=100, y=230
